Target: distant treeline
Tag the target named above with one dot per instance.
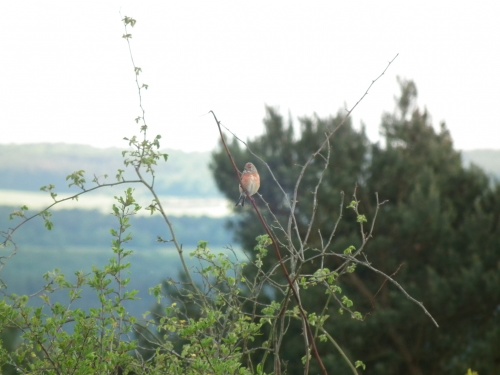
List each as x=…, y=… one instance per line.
x=81, y=239
x=92, y=228
x=31, y=166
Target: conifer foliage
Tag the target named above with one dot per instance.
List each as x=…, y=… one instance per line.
x=436, y=235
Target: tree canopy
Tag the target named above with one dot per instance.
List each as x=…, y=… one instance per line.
x=436, y=235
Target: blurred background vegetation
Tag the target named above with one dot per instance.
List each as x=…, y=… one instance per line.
x=437, y=235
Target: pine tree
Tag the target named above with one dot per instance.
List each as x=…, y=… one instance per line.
x=436, y=236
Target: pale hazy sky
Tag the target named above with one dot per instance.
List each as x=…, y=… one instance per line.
x=65, y=73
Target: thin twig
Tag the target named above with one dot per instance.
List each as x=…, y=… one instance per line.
x=8, y=235
x=407, y=295
x=310, y=338
x=278, y=254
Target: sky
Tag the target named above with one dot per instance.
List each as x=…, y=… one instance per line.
x=66, y=74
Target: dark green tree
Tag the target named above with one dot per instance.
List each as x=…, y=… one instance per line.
x=436, y=236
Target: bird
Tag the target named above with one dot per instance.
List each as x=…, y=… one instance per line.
x=250, y=180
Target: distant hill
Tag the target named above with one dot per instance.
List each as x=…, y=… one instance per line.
x=81, y=235
x=488, y=160
x=25, y=168
x=28, y=167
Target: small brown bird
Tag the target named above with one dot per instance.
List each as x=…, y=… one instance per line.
x=250, y=180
